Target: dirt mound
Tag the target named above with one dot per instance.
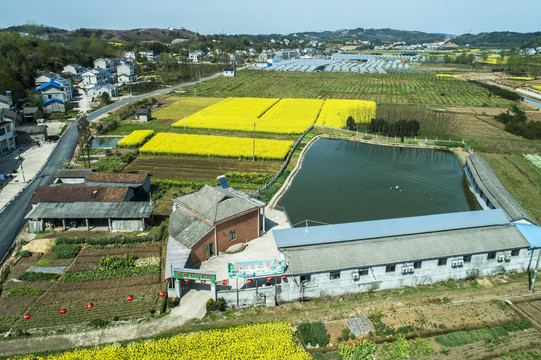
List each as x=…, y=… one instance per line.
x=39, y=245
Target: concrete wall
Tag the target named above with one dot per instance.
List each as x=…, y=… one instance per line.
x=248, y=297
x=377, y=278
x=127, y=225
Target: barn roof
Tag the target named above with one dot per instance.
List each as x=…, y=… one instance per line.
x=91, y=210
x=389, y=227
x=72, y=194
x=400, y=249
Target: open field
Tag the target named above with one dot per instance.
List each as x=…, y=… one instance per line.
x=396, y=88
x=197, y=169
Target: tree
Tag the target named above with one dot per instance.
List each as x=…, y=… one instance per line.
x=85, y=138
x=350, y=123
x=105, y=98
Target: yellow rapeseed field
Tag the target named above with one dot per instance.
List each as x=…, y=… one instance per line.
x=335, y=112
x=536, y=87
x=290, y=116
x=215, y=146
x=136, y=138
x=520, y=78
x=260, y=341
x=229, y=114
x=444, y=75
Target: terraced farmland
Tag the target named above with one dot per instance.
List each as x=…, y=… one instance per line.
x=395, y=88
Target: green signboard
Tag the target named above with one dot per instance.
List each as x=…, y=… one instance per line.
x=193, y=274
x=256, y=268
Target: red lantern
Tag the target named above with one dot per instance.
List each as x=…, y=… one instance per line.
x=27, y=316
x=63, y=311
x=283, y=277
x=269, y=278
x=249, y=281
x=186, y=280
x=89, y=305
x=224, y=282
x=162, y=294
x=130, y=298
x=203, y=281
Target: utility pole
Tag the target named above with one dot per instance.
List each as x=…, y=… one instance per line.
x=253, y=157
x=535, y=271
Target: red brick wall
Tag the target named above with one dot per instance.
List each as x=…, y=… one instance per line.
x=247, y=227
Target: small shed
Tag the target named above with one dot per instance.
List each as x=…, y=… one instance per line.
x=230, y=71
x=143, y=114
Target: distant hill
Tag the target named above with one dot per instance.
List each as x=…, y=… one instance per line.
x=376, y=36
x=500, y=39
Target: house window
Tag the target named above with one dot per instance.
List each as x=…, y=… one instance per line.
x=363, y=272
x=491, y=255
x=209, y=250
x=515, y=252
x=442, y=261
x=390, y=268
x=417, y=264
x=2, y=131
x=333, y=275
x=305, y=278
x=232, y=234
x=467, y=258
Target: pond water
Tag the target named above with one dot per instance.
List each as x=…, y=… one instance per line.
x=347, y=181
x=105, y=142
x=533, y=102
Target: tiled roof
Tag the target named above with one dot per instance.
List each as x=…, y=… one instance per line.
x=72, y=194
x=116, y=178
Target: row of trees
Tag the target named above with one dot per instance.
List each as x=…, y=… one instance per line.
x=401, y=128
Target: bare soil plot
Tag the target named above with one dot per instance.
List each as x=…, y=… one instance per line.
x=534, y=115
x=88, y=259
x=197, y=169
x=476, y=110
x=532, y=308
x=175, y=108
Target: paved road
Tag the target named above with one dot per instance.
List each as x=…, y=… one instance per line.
x=12, y=218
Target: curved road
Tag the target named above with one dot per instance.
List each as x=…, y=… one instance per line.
x=12, y=217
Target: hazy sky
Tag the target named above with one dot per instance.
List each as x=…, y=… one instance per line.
x=284, y=17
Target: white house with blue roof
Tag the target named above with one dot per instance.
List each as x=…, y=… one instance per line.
x=59, y=89
x=333, y=260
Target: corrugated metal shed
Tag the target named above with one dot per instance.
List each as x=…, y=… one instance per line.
x=400, y=249
x=177, y=257
x=91, y=210
x=490, y=185
x=532, y=233
x=389, y=227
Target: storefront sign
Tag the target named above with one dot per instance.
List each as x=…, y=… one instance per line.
x=192, y=274
x=256, y=268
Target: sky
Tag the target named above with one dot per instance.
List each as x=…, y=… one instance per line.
x=279, y=16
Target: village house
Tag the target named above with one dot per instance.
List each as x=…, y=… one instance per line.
x=54, y=105
x=126, y=74
x=7, y=136
x=119, y=202
x=75, y=71
x=143, y=114
x=106, y=64
x=97, y=91
x=6, y=102
x=195, y=56
x=60, y=89
x=45, y=78
x=207, y=222
x=94, y=77
x=230, y=71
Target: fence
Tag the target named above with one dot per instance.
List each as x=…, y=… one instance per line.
x=286, y=162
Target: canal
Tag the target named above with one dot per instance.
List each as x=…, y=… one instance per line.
x=347, y=181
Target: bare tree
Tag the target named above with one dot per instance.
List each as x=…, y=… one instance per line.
x=85, y=138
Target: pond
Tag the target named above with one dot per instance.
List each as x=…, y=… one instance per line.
x=533, y=102
x=105, y=142
x=347, y=181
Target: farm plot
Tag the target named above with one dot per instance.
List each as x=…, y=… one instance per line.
x=445, y=317
x=198, y=169
x=136, y=138
x=215, y=146
x=336, y=112
x=290, y=116
x=238, y=114
x=394, y=88
x=532, y=308
x=176, y=108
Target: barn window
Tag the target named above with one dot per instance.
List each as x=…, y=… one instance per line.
x=232, y=234
x=491, y=255
x=305, y=278
x=467, y=258
x=515, y=252
x=442, y=261
x=417, y=264
x=333, y=275
x=390, y=268
x=363, y=272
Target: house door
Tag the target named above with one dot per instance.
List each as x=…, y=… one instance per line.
x=209, y=250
